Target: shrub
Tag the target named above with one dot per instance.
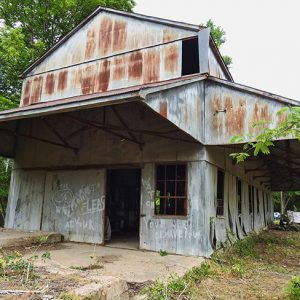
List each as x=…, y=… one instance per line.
x=293, y=289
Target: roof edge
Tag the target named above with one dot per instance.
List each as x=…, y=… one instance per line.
x=256, y=91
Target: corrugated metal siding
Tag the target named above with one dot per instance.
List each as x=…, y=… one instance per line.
x=214, y=66
x=135, y=68
x=230, y=112
x=109, y=34
x=74, y=205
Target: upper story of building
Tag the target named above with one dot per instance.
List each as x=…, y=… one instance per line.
x=113, y=49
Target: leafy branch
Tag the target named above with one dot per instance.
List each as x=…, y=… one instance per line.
x=262, y=143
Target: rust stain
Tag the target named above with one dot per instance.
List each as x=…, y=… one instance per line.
x=119, y=68
x=163, y=109
x=36, y=91
x=105, y=35
x=76, y=55
x=171, y=58
x=135, y=65
x=119, y=35
x=104, y=76
x=217, y=117
x=26, y=95
x=281, y=118
x=259, y=113
x=235, y=115
x=50, y=84
x=151, y=66
x=88, y=80
x=90, y=43
x=169, y=35
x=62, y=80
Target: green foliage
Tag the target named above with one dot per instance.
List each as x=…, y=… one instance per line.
x=218, y=35
x=246, y=247
x=264, y=141
x=178, y=287
x=5, y=174
x=293, y=289
x=31, y=27
x=163, y=252
x=17, y=265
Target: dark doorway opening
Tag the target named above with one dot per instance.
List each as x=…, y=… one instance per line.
x=123, y=189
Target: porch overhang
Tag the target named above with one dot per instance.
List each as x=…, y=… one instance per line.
x=278, y=171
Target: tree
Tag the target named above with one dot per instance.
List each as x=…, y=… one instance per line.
x=27, y=29
x=263, y=142
x=5, y=173
x=218, y=35
x=30, y=27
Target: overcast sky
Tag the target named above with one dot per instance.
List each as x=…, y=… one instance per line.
x=262, y=37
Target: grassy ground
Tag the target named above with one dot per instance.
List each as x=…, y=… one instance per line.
x=259, y=267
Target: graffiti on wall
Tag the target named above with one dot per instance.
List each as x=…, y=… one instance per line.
x=77, y=204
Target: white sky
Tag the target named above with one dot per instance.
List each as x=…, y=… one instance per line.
x=262, y=36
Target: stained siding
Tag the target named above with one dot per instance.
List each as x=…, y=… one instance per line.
x=74, y=205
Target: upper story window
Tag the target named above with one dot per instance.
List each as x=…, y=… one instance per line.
x=220, y=193
x=171, y=190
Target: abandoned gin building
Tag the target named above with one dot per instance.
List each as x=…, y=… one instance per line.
x=126, y=124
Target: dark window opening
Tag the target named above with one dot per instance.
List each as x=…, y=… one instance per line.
x=257, y=201
x=251, y=199
x=171, y=192
x=190, y=56
x=239, y=196
x=220, y=193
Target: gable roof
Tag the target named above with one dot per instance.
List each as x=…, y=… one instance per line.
x=175, y=24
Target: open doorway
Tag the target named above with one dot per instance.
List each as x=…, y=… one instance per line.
x=123, y=189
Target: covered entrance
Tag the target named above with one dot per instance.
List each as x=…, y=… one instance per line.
x=123, y=190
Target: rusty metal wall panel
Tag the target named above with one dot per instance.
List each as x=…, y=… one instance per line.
x=109, y=34
x=230, y=112
x=214, y=66
x=25, y=202
x=130, y=69
x=183, y=106
x=186, y=236
x=74, y=205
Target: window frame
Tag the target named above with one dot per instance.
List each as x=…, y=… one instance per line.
x=220, y=208
x=168, y=216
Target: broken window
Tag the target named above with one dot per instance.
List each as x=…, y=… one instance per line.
x=239, y=196
x=220, y=193
x=171, y=191
x=190, y=56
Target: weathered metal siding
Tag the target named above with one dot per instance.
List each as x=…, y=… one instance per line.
x=232, y=224
x=25, y=203
x=214, y=66
x=74, y=205
x=182, y=235
x=229, y=112
x=109, y=34
x=134, y=68
x=183, y=106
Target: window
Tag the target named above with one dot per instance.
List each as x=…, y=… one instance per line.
x=220, y=193
x=257, y=201
x=239, y=195
x=171, y=194
x=190, y=56
x=251, y=199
